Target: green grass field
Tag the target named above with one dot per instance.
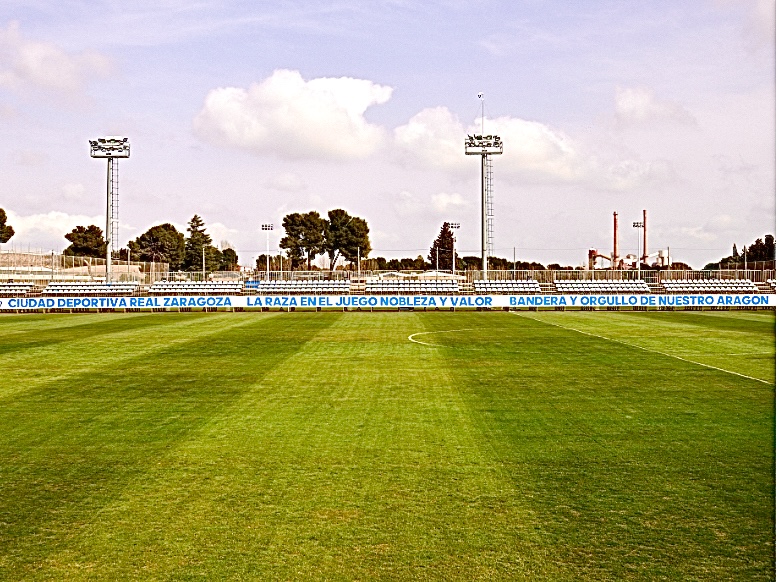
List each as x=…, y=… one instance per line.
x=534, y=445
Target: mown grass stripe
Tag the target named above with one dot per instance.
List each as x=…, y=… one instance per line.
x=101, y=347
x=650, y=350
x=329, y=446
x=68, y=449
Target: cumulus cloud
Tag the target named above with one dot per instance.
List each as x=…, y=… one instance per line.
x=407, y=204
x=7, y=112
x=48, y=229
x=444, y=202
x=640, y=105
x=29, y=158
x=219, y=232
x=286, y=182
x=714, y=228
x=435, y=137
x=537, y=151
x=292, y=118
x=74, y=191
x=27, y=64
x=759, y=27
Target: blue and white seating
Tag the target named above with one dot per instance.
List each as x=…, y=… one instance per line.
x=601, y=286
x=709, y=286
x=299, y=287
x=74, y=288
x=15, y=289
x=418, y=287
x=196, y=288
x=509, y=287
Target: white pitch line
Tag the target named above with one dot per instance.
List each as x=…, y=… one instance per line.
x=411, y=337
x=647, y=349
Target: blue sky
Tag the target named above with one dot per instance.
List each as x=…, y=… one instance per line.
x=245, y=111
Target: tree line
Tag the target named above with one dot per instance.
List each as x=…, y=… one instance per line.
x=309, y=235
x=760, y=251
x=160, y=244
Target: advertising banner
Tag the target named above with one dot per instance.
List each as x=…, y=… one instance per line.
x=388, y=301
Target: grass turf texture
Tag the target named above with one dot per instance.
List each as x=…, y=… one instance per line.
x=329, y=446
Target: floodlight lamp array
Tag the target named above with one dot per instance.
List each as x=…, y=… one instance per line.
x=109, y=147
x=267, y=227
x=638, y=225
x=483, y=144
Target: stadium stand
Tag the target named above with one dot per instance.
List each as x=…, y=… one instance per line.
x=402, y=287
x=772, y=284
x=196, y=288
x=301, y=287
x=510, y=287
x=69, y=288
x=709, y=286
x=602, y=286
x=15, y=289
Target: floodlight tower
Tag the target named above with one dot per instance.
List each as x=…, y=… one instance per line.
x=484, y=146
x=111, y=147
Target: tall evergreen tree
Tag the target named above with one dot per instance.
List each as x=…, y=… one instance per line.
x=198, y=245
x=442, y=248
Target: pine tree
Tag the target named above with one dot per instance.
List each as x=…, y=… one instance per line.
x=442, y=248
x=199, y=244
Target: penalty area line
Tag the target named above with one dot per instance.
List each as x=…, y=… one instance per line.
x=646, y=349
x=411, y=337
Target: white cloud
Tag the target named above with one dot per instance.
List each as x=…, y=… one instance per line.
x=219, y=232
x=759, y=27
x=293, y=118
x=714, y=229
x=286, y=182
x=28, y=64
x=30, y=157
x=74, y=191
x=7, y=111
x=47, y=230
x=435, y=138
x=407, y=204
x=537, y=151
x=444, y=202
x=640, y=105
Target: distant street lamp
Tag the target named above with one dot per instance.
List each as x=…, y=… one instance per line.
x=267, y=228
x=454, y=226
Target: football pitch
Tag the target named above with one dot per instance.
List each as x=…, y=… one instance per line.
x=353, y=446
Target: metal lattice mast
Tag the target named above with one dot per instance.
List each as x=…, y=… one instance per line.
x=114, y=203
x=489, y=210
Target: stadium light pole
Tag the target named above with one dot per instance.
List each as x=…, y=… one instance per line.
x=454, y=226
x=267, y=228
x=639, y=225
x=484, y=146
x=111, y=148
